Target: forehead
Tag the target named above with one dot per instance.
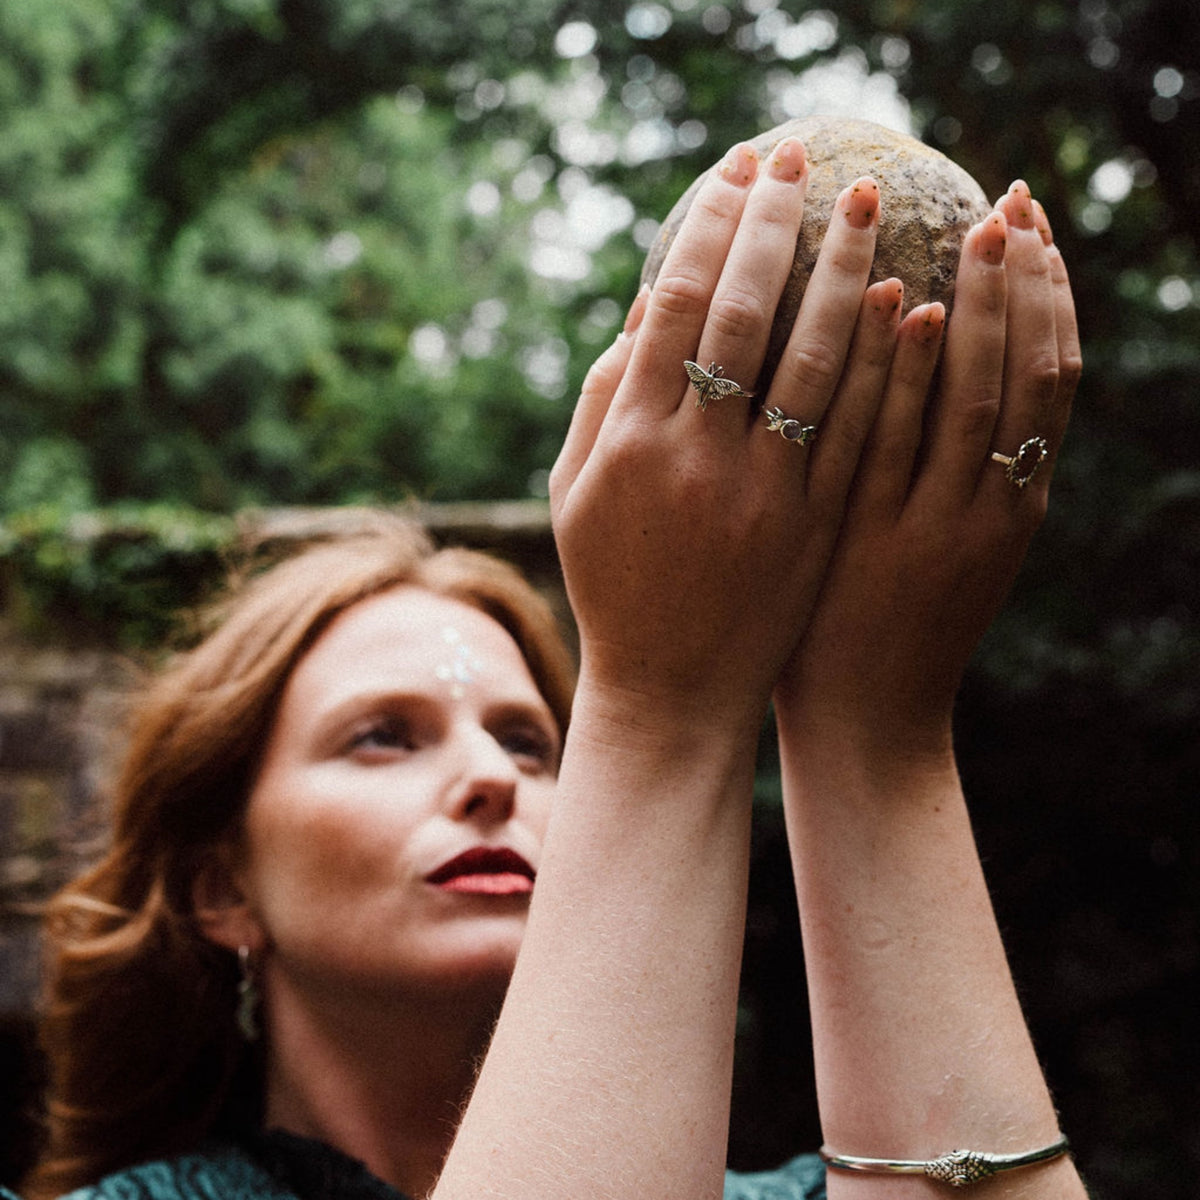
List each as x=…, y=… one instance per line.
x=410, y=637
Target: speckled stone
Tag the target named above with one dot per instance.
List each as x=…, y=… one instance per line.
x=928, y=204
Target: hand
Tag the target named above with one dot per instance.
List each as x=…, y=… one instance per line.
x=934, y=532
x=693, y=542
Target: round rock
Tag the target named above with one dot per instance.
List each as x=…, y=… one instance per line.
x=928, y=204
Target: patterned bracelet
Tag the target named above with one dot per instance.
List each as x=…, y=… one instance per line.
x=959, y=1168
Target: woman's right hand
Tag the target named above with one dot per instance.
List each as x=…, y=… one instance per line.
x=694, y=542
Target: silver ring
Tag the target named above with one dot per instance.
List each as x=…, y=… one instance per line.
x=712, y=384
x=1021, y=467
x=788, y=428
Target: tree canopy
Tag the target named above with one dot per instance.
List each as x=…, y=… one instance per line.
x=315, y=251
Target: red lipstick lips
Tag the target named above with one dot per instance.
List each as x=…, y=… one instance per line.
x=485, y=871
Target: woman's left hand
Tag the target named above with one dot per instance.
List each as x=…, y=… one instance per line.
x=936, y=529
x=693, y=542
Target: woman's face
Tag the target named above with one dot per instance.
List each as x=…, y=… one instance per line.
x=395, y=827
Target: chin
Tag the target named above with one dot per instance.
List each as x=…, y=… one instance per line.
x=465, y=963
x=490, y=962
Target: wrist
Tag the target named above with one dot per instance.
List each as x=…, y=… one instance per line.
x=715, y=721
x=621, y=730
x=892, y=745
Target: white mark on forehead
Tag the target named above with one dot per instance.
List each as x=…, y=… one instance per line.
x=463, y=665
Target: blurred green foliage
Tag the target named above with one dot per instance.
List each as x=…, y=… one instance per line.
x=264, y=252
x=123, y=573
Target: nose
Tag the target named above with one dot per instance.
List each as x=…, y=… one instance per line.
x=486, y=791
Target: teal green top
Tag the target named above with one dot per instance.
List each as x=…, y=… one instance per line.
x=280, y=1166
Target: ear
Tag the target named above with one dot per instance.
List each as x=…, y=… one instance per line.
x=223, y=913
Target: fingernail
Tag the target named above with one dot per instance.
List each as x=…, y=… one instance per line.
x=888, y=296
x=932, y=319
x=860, y=202
x=637, y=310
x=1042, y=223
x=1018, y=205
x=992, y=238
x=739, y=166
x=788, y=160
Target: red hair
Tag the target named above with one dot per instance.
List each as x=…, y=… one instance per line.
x=142, y=1050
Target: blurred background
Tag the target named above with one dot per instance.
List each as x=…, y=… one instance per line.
x=279, y=254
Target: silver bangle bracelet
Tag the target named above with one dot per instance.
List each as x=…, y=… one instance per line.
x=959, y=1168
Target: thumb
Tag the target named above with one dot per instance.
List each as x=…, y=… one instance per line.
x=599, y=387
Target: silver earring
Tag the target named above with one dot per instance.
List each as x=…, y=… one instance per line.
x=248, y=997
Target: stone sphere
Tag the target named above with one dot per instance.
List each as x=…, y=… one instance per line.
x=928, y=204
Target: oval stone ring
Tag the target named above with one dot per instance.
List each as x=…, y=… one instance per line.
x=1021, y=467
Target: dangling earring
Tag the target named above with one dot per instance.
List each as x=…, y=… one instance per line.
x=248, y=997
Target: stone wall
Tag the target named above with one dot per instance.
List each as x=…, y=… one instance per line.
x=58, y=707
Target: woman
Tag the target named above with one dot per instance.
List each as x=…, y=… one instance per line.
x=207, y=779
x=364, y=828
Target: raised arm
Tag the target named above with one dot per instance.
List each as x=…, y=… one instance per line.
x=920, y=1044
x=693, y=545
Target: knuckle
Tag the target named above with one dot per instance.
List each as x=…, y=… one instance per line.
x=601, y=376
x=986, y=295
x=848, y=259
x=681, y=294
x=1070, y=371
x=775, y=221
x=814, y=365
x=712, y=203
x=1039, y=381
x=978, y=406
x=843, y=261
x=1044, y=378
x=1044, y=367
x=626, y=445
x=737, y=314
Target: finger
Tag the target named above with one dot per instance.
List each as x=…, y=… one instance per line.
x=600, y=385
x=756, y=269
x=812, y=362
x=860, y=390
x=967, y=403
x=1070, y=357
x=1031, y=372
x=889, y=462
x=679, y=301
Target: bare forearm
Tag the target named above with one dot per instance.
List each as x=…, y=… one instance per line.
x=920, y=1043
x=610, y=1071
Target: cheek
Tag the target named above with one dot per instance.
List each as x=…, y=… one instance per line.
x=310, y=850
x=539, y=804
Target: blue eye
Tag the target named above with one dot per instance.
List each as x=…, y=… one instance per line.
x=383, y=735
x=529, y=746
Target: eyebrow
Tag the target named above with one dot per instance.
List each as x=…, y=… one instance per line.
x=539, y=712
x=343, y=712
